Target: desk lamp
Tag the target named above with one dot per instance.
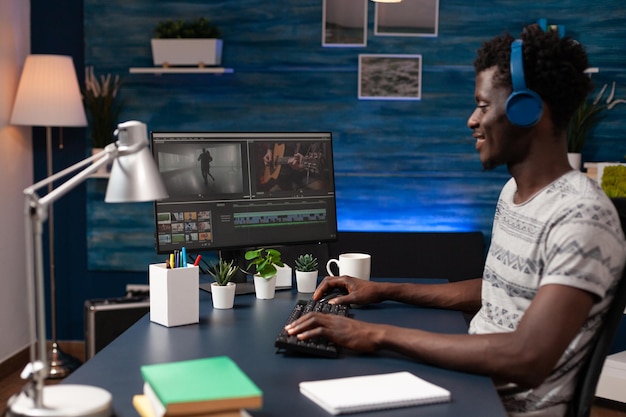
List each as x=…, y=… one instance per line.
x=134, y=177
x=48, y=95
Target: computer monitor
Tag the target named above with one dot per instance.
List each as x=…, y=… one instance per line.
x=238, y=190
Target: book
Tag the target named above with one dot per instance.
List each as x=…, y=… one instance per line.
x=144, y=408
x=199, y=386
x=142, y=405
x=373, y=392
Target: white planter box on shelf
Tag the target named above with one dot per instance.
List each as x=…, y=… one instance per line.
x=196, y=52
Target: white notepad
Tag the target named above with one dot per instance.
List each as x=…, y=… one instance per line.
x=373, y=392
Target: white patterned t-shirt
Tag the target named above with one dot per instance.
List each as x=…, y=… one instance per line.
x=568, y=233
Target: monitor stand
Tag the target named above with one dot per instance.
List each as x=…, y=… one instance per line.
x=244, y=285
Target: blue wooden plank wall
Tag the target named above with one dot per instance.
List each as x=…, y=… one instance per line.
x=400, y=165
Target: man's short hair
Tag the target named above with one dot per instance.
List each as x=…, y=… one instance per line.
x=553, y=68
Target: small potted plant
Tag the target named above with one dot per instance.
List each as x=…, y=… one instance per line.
x=265, y=263
x=178, y=42
x=306, y=273
x=222, y=290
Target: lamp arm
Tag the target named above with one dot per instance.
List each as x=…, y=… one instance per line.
x=95, y=161
x=110, y=152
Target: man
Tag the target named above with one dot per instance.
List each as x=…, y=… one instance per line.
x=205, y=159
x=556, y=254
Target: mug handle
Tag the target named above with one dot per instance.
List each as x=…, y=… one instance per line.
x=329, y=263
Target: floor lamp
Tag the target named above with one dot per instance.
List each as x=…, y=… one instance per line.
x=48, y=95
x=134, y=177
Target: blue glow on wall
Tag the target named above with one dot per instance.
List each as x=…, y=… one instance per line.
x=400, y=166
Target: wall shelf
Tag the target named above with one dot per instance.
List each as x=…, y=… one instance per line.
x=181, y=70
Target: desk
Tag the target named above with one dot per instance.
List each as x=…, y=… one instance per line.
x=247, y=332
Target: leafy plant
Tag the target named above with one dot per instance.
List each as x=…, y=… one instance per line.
x=614, y=181
x=102, y=105
x=223, y=271
x=181, y=29
x=265, y=261
x=306, y=263
x=587, y=117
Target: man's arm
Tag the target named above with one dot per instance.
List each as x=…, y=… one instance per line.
x=524, y=356
x=461, y=295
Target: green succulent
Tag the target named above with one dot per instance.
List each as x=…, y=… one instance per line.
x=265, y=261
x=223, y=271
x=306, y=263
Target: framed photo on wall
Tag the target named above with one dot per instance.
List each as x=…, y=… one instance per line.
x=344, y=23
x=407, y=18
x=390, y=77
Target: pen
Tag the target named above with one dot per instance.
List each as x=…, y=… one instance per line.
x=183, y=257
x=197, y=261
x=172, y=264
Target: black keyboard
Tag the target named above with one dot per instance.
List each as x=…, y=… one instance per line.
x=317, y=346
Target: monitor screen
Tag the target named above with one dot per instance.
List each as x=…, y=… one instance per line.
x=241, y=190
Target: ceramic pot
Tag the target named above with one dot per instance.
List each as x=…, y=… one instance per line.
x=223, y=295
x=265, y=289
x=306, y=281
x=575, y=160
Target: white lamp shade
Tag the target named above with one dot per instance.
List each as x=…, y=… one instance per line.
x=48, y=93
x=135, y=176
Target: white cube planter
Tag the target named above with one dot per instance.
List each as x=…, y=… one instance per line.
x=174, y=295
x=187, y=52
x=283, y=276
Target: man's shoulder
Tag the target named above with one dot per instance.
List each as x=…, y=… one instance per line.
x=578, y=189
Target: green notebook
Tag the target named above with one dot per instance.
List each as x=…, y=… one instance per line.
x=201, y=386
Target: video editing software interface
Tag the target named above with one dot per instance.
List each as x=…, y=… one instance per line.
x=240, y=190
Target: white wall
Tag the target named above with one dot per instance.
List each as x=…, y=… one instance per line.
x=16, y=172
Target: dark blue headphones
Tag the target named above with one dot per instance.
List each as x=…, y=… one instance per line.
x=523, y=107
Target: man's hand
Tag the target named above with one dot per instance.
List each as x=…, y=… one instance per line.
x=267, y=158
x=359, y=291
x=344, y=331
x=295, y=162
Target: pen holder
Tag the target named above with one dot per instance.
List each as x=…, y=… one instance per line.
x=174, y=295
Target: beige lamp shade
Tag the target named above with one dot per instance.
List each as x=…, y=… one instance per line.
x=48, y=93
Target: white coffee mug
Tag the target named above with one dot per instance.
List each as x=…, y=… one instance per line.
x=356, y=265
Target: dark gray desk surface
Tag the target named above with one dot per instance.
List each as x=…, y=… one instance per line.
x=247, y=332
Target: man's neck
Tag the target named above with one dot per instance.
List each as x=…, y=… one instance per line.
x=529, y=183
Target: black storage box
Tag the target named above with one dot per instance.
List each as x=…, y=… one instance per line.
x=106, y=319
